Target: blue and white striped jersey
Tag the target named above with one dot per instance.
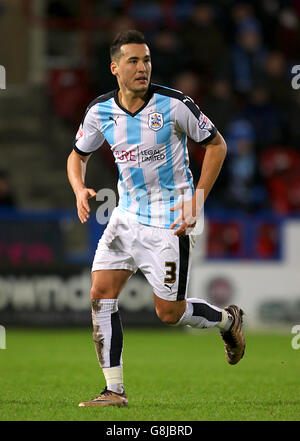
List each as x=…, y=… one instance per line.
x=150, y=149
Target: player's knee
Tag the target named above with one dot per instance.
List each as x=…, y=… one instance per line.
x=169, y=317
x=99, y=292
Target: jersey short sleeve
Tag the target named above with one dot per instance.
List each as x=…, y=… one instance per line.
x=193, y=122
x=89, y=136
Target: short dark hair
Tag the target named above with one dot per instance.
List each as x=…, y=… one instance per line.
x=125, y=37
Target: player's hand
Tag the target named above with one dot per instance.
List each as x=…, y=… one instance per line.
x=188, y=217
x=83, y=208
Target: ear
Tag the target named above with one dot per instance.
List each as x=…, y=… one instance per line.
x=114, y=68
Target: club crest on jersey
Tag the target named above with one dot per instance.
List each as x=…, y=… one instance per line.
x=155, y=120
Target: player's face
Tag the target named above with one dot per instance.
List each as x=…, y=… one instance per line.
x=133, y=68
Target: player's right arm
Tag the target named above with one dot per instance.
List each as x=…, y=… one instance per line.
x=88, y=139
x=76, y=169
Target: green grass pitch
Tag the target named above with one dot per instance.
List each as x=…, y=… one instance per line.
x=170, y=375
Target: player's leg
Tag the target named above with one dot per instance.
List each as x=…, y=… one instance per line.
x=107, y=326
x=108, y=334
x=194, y=312
x=198, y=313
x=112, y=267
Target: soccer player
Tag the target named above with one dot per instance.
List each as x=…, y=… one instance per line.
x=147, y=126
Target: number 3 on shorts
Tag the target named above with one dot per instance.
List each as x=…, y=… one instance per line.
x=171, y=273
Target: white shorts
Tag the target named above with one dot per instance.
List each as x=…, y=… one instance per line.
x=163, y=258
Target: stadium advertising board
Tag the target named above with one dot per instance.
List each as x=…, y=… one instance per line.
x=61, y=297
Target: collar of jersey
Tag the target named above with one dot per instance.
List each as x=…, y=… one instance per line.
x=149, y=96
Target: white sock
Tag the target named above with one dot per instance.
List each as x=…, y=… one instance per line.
x=108, y=339
x=201, y=314
x=226, y=322
x=114, y=379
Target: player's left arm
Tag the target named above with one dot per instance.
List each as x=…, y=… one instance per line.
x=214, y=157
x=215, y=154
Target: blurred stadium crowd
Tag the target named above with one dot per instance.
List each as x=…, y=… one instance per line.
x=234, y=58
